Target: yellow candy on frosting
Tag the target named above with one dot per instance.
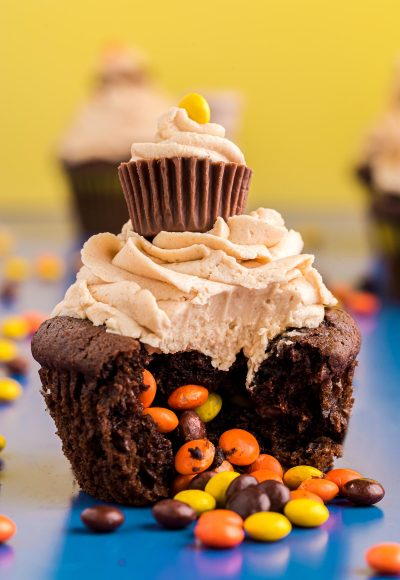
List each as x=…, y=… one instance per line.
x=197, y=107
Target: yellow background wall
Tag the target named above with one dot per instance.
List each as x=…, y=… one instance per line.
x=314, y=74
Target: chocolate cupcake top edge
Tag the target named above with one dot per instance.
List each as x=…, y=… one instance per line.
x=233, y=288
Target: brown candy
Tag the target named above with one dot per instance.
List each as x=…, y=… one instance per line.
x=173, y=514
x=363, y=491
x=249, y=501
x=18, y=366
x=102, y=518
x=191, y=426
x=201, y=480
x=278, y=494
x=239, y=484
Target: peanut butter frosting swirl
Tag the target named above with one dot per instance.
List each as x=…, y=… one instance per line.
x=179, y=136
x=233, y=288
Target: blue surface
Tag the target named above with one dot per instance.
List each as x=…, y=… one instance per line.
x=39, y=494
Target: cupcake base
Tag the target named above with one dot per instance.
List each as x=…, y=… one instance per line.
x=97, y=196
x=298, y=405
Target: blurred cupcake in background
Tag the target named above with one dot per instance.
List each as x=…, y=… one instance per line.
x=379, y=170
x=122, y=107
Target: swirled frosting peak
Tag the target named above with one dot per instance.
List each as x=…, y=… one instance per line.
x=233, y=288
x=179, y=136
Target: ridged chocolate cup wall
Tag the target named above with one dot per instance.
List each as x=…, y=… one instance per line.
x=180, y=194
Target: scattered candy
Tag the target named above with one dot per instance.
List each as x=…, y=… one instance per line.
x=7, y=529
x=200, y=501
x=187, y=397
x=220, y=529
x=8, y=350
x=3, y=442
x=218, y=484
x=324, y=488
x=265, y=461
x=210, y=409
x=341, y=476
x=10, y=390
x=265, y=475
x=306, y=513
x=239, y=484
x=267, y=526
x=278, y=494
x=249, y=501
x=363, y=491
x=8, y=291
x=7, y=243
x=165, y=419
x=364, y=303
x=225, y=466
x=102, y=518
x=191, y=426
x=15, y=328
x=148, y=394
x=16, y=269
x=296, y=475
x=200, y=481
x=49, y=267
x=239, y=446
x=197, y=107
x=304, y=494
x=173, y=514
x=180, y=483
x=34, y=320
x=384, y=558
x=194, y=456
x=17, y=366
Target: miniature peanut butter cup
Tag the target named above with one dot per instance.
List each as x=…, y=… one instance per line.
x=186, y=179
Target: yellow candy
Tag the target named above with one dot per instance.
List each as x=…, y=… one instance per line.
x=296, y=475
x=16, y=269
x=15, y=327
x=10, y=390
x=197, y=107
x=3, y=442
x=200, y=501
x=8, y=350
x=49, y=267
x=267, y=526
x=218, y=485
x=306, y=513
x=210, y=409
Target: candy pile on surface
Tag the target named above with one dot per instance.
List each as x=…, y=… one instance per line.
x=358, y=302
x=243, y=494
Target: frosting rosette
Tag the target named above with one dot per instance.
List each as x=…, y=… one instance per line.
x=231, y=289
x=180, y=136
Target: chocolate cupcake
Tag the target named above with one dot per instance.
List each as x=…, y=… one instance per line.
x=379, y=171
x=188, y=177
x=122, y=107
x=238, y=309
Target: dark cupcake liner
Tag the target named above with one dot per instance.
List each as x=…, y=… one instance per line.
x=97, y=196
x=180, y=194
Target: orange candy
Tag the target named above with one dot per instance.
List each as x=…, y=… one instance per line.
x=194, y=456
x=384, y=558
x=362, y=302
x=225, y=466
x=304, y=494
x=220, y=529
x=165, y=420
x=266, y=474
x=324, y=488
x=147, y=396
x=341, y=476
x=7, y=529
x=266, y=461
x=240, y=446
x=34, y=320
x=187, y=397
x=227, y=516
x=180, y=483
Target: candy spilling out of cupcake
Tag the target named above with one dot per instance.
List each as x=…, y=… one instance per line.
x=193, y=293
